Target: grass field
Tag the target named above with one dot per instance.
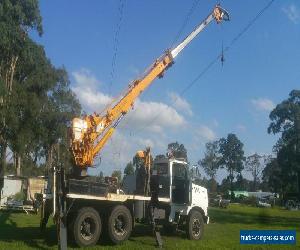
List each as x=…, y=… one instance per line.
x=21, y=231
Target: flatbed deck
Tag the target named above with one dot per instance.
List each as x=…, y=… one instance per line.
x=114, y=197
x=109, y=197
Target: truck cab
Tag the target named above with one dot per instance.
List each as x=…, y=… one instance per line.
x=175, y=183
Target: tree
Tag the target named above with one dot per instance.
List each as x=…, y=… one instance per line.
x=212, y=185
x=225, y=186
x=272, y=177
x=49, y=105
x=285, y=120
x=17, y=18
x=129, y=169
x=160, y=157
x=33, y=79
x=255, y=164
x=232, y=156
x=211, y=160
x=118, y=174
x=241, y=183
x=36, y=102
x=57, y=113
x=177, y=150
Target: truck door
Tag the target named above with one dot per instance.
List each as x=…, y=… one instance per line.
x=163, y=179
x=180, y=184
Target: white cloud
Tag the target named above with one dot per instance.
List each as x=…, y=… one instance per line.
x=86, y=89
x=206, y=133
x=180, y=103
x=91, y=100
x=292, y=12
x=84, y=77
x=153, y=116
x=263, y=104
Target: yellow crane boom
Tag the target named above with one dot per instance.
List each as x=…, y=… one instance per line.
x=90, y=134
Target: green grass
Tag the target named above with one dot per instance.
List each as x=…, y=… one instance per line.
x=21, y=231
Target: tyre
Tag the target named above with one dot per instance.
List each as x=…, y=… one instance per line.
x=195, y=225
x=87, y=227
x=119, y=224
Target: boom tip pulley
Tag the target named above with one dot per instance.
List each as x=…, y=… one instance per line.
x=220, y=14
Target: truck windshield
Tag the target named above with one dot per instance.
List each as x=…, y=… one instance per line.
x=162, y=168
x=179, y=170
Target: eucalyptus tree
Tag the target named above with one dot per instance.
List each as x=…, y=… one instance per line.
x=231, y=156
x=255, y=164
x=211, y=162
x=17, y=18
x=177, y=150
x=285, y=120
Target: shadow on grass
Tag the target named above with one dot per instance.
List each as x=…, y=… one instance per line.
x=139, y=232
x=30, y=236
x=262, y=217
x=11, y=231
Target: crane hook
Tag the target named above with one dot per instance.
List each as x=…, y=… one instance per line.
x=222, y=55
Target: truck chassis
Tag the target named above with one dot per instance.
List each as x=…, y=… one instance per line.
x=83, y=216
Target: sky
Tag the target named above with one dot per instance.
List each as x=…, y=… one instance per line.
x=104, y=45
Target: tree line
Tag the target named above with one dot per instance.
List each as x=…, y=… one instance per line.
x=36, y=102
x=228, y=153
x=278, y=173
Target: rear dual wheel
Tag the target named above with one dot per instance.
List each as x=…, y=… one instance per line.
x=87, y=227
x=119, y=224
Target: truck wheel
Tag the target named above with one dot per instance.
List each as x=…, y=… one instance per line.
x=87, y=227
x=195, y=225
x=119, y=224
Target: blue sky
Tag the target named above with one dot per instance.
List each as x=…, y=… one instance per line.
x=260, y=70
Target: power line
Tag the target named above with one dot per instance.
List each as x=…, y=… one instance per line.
x=233, y=41
x=115, y=53
x=227, y=48
x=116, y=43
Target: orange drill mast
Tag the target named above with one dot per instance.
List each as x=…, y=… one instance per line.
x=90, y=134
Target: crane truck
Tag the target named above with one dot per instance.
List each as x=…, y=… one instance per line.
x=83, y=207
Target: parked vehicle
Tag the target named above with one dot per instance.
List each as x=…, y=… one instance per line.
x=218, y=201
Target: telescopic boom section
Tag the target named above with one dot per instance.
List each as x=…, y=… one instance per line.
x=90, y=134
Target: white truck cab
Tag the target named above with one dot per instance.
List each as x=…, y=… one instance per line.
x=176, y=184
